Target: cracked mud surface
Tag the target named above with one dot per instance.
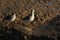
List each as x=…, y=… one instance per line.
x=45, y=26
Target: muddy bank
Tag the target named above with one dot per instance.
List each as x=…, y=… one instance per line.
x=47, y=16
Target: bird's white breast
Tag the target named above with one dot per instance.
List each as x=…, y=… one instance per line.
x=13, y=17
x=32, y=17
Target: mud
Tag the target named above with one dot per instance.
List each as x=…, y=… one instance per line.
x=46, y=22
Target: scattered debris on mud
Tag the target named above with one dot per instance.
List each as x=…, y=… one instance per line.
x=45, y=26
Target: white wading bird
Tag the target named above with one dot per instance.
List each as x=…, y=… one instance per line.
x=13, y=17
x=10, y=18
x=30, y=17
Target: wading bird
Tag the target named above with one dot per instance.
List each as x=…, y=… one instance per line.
x=30, y=17
x=10, y=18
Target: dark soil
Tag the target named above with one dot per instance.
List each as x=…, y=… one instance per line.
x=46, y=25
x=13, y=34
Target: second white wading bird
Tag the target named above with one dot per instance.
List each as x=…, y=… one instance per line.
x=10, y=18
x=32, y=16
x=29, y=18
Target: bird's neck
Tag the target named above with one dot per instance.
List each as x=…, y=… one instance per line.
x=32, y=14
